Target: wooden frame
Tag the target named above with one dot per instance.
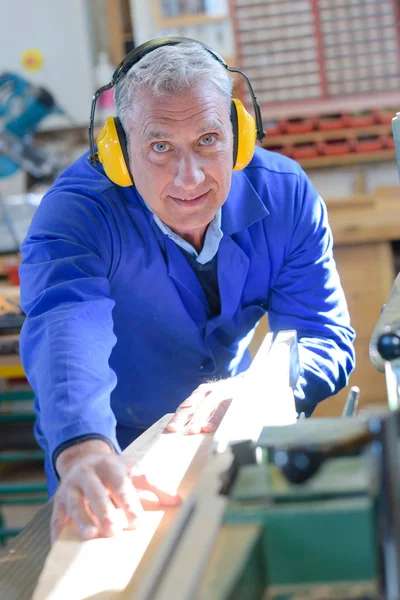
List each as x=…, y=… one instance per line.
x=118, y=35
x=184, y=19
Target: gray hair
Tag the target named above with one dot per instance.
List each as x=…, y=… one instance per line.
x=170, y=69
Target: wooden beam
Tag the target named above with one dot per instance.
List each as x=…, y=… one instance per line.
x=115, y=31
x=133, y=563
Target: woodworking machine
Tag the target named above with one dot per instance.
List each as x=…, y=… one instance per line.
x=302, y=511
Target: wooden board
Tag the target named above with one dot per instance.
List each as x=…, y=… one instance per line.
x=128, y=565
x=79, y=569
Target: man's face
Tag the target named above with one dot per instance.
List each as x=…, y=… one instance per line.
x=180, y=150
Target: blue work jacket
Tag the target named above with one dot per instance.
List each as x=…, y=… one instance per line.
x=118, y=331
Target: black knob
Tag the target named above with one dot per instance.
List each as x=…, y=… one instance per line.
x=298, y=464
x=389, y=346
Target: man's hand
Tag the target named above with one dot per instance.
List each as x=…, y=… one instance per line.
x=101, y=492
x=205, y=408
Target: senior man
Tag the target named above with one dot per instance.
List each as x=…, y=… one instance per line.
x=142, y=296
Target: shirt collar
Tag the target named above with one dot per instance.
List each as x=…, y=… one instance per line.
x=211, y=241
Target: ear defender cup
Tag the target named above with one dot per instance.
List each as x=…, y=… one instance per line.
x=244, y=135
x=112, y=152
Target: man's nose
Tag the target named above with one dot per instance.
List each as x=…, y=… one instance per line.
x=189, y=171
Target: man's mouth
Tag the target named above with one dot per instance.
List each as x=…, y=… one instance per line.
x=190, y=200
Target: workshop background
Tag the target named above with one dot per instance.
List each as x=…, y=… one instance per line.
x=327, y=76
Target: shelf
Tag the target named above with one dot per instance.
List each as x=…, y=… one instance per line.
x=352, y=158
x=322, y=135
x=342, y=82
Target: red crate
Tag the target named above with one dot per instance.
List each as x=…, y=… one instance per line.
x=368, y=143
x=272, y=128
x=336, y=146
x=333, y=121
x=300, y=124
x=389, y=141
x=285, y=149
x=363, y=118
x=305, y=149
x=12, y=274
x=385, y=115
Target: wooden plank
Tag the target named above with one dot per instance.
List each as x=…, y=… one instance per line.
x=71, y=555
x=198, y=526
x=24, y=559
x=172, y=461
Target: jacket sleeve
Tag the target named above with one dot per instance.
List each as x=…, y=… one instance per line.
x=67, y=336
x=307, y=296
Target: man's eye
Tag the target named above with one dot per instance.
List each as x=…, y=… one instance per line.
x=208, y=140
x=160, y=147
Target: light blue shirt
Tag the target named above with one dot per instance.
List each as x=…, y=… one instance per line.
x=211, y=242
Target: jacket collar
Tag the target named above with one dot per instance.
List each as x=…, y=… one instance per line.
x=243, y=206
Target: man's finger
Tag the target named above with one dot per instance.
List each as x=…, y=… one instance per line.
x=186, y=409
x=122, y=492
x=59, y=519
x=202, y=414
x=102, y=507
x=216, y=417
x=76, y=508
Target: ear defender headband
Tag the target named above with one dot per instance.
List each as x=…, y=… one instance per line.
x=112, y=150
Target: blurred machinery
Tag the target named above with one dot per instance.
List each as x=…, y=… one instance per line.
x=23, y=106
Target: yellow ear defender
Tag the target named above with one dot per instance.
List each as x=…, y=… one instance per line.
x=244, y=135
x=112, y=151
